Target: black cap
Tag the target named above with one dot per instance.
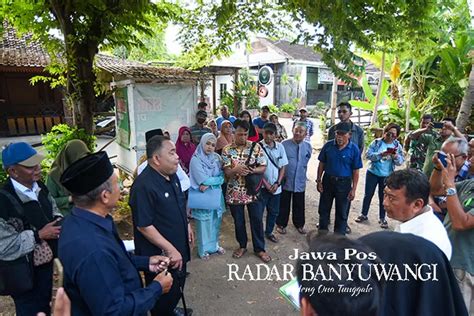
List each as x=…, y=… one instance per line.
x=201, y=113
x=270, y=127
x=153, y=132
x=343, y=127
x=88, y=173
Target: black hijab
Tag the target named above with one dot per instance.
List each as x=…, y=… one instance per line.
x=252, y=130
x=416, y=297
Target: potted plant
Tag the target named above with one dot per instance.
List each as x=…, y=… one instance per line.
x=287, y=110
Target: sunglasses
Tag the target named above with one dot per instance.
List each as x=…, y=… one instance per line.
x=342, y=111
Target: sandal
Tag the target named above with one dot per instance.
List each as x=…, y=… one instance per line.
x=220, y=251
x=301, y=230
x=361, y=218
x=383, y=223
x=281, y=230
x=263, y=256
x=272, y=238
x=238, y=253
x=205, y=257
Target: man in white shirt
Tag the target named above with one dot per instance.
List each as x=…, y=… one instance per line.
x=406, y=200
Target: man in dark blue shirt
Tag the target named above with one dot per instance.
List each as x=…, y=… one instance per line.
x=100, y=277
x=340, y=162
x=159, y=218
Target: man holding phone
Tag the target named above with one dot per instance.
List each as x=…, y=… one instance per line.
x=432, y=140
x=100, y=277
x=416, y=150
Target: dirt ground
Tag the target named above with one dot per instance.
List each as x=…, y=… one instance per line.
x=209, y=291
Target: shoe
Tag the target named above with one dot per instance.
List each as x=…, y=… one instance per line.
x=179, y=311
x=272, y=238
x=348, y=230
x=383, y=223
x=361, y=218
x=301, y=230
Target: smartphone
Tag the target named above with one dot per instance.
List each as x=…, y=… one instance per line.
x=442, y=157
x=438, y=125
x=391, y=150
x=59, y=222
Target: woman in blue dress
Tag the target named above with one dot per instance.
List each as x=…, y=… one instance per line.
x=206, y=176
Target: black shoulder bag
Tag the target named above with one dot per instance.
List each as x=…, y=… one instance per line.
x=254, y=181
x=16, y=276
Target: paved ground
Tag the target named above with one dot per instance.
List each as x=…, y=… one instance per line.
x=209, y=290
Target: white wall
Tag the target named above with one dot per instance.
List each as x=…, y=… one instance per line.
x=224, y=79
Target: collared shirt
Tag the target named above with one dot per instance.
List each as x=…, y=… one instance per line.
x=197, y=132
x=298, y=157
x=221, y=119
x=160, y=202
x=383, y=166
x=231, y=156
x=100, y=277
x=260, y=122
x=357, y=135
x=340, y=162
x=428, y=226
x=182, y=176
x=463, y=241
x=463, y=173
x=309, y=128
x=278, y=155
x=32, y=193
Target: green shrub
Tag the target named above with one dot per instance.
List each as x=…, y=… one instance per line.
x=287, y=108
x=273, y=108
x=3, y=174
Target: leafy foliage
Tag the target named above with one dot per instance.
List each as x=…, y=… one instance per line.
x=288, y=108
x=273, y=108
x=3, y=173
x=60, y=134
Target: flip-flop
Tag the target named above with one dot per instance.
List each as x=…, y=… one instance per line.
x=238, y=253
x=263, y=256
x=281, y=230
x=301, y=230
x=220, y=251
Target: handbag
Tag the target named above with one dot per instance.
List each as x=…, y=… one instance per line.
x=16, y=276
x=207, y=200
x=254, y=181
x=42, y=254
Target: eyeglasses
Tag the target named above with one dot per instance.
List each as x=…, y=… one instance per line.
x=342, y=111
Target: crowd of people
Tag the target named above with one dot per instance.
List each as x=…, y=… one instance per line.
x=227, y=164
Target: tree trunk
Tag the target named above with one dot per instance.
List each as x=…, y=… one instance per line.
x=410, y=91
x=379, y=90
x=465, y=110
x=333, y=100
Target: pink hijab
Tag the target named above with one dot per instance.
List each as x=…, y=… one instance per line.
x=185, y=151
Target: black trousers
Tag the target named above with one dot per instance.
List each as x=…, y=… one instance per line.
x=335, y=188
x=37, y=299
x=166, y=304
x=298, y=215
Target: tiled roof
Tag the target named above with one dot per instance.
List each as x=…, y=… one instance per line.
x=21, y=51
x=136, y=70
x=25, y=53
x=296, y=51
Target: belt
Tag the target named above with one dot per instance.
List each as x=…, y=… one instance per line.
x=334, y=178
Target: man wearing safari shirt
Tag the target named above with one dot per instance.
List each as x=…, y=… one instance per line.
x=159, y=217
x=338, y=175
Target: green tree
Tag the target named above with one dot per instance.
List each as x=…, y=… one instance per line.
x=85, y=26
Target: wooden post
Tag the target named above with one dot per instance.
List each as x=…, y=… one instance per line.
x=333, y=100
x=410, y=89
x=214, y=101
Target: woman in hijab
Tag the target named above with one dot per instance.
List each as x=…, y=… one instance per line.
x=253, y=134
x=428, y=292
x=73, y=150
x=226, y=137
x=184, y=147
x=205, y=174
x=213, y=126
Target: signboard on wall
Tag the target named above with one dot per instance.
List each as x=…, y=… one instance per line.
x=122, y=117
x=325, y=75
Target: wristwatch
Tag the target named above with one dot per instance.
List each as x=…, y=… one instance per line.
x=451, y=191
